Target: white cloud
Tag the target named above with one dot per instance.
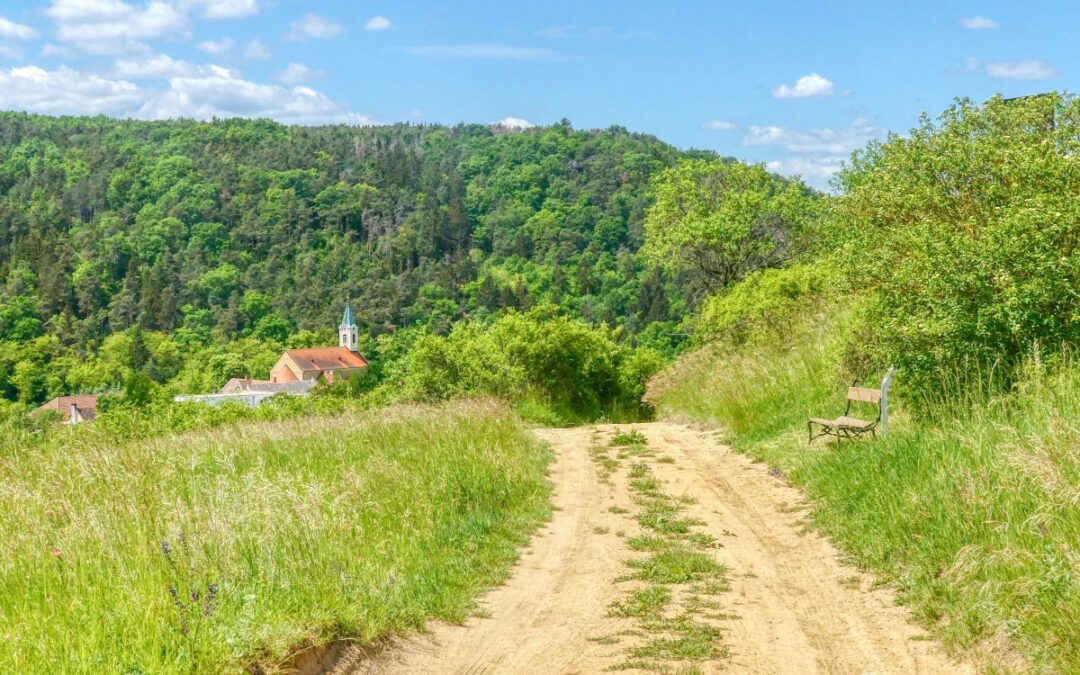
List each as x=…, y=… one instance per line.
x=483, y=51
x=1024, y=69
x=16, y=31
x=163, y=66
x=10, y=51
x=377, y=23
x=295, y=73
x=222, y=95
x=816, y=153
x=65, y=91
x=113, y=26
x=200, y=92
x=816, y=171
x=515, y=123
x=313, y=26
x=158, y=65
x=718, y=125
x=256, y=50
x=807, y=86
x=226, y=9
x=978, y=23
x=216, y=47
x=592, y=33
x=829, y=141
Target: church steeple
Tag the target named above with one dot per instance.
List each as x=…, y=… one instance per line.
x=348, y=332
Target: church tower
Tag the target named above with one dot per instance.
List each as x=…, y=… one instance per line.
x=348, y=332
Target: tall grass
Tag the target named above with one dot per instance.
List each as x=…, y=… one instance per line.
x=971, y=510
x=227, y=549
x=759, y=391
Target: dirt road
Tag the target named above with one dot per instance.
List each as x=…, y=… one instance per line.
x=790, y=605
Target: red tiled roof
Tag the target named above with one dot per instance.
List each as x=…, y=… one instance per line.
x=87, y=405
x=326, y=358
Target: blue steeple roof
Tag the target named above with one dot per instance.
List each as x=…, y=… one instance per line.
x=347, y=318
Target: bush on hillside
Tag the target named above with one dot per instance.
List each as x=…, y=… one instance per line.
x=578, y=371
x=968, y=234
x=764, y=302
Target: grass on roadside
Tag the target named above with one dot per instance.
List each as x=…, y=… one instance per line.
x=972, y=512
x=224, y=550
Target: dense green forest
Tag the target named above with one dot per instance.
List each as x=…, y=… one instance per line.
x=127, y=223
x=189, y=252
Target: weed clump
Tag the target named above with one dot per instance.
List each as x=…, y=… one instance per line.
x=632, y=437
x=677, y=573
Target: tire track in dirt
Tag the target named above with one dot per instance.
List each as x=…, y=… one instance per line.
x=796, y=608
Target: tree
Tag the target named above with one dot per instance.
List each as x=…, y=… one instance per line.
x=224, y=232
x=254, y=306
x=29, y=380
x=274, y=327
x=722, y=220
x=137, y=388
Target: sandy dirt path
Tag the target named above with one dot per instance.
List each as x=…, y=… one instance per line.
x=793, y=606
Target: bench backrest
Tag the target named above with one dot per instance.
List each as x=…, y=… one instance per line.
x=863, y=395
x=878, y=397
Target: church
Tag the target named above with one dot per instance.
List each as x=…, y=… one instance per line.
x=331, y=363
x=297, y=370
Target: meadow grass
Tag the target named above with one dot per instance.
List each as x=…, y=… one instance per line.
x=226, y=550
x=970, y=509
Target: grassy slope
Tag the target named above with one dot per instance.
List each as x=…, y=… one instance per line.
x=223, y=548
x=976, y=519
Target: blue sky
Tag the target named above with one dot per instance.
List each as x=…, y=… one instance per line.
x=794, y=85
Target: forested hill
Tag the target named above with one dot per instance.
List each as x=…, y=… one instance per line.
x=242, y=227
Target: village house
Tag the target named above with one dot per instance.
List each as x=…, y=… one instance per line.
x=297, y=370
x=73, y=409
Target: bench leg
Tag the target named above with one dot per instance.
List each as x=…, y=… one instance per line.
x=811, y=436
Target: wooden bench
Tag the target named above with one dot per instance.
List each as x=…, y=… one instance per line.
x=846, y=426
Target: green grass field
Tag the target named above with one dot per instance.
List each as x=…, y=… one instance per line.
x=227, y=549
x=974, y=518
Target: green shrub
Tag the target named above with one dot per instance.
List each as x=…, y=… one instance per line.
x=967, y=232
x=564, y=368
x=764, y=302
